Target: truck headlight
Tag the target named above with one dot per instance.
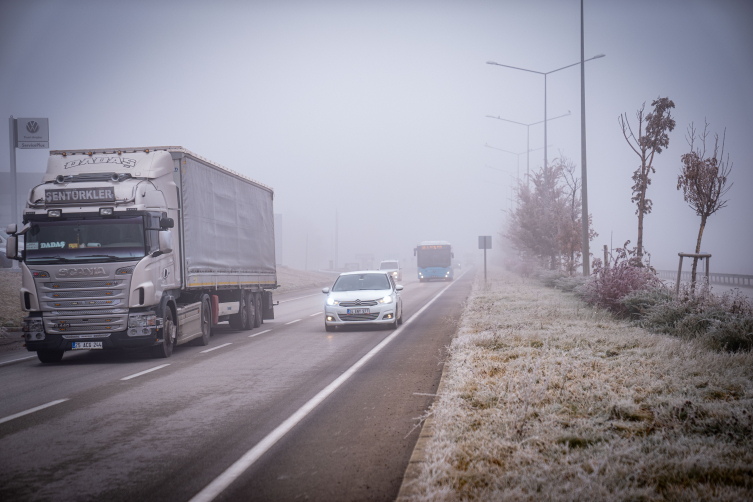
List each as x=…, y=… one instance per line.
x=148, y=319
x=386, y=299
x=32, y=325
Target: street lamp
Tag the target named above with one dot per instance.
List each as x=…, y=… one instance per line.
x=518, y=155
x=528, y=135
x=545, y=73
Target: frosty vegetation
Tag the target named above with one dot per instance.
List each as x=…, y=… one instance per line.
x=546, y=398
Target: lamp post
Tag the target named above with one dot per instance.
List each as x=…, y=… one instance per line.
x=545, y=73
x=528, y=135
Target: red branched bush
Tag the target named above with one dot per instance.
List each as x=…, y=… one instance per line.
x=609, y=284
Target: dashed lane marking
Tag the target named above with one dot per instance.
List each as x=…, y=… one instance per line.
x=16, y=360
x=312, y=315
x=145, y=372
x=260, y=333
x=291, y=322
x=32, y=410
x=291, y=299
x=215, y=348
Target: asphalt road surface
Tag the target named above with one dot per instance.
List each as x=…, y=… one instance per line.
x=283, y=412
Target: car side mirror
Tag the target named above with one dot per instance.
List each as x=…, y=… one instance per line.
x=11, y=247
x=11, y=229
x=325, y=290
x=165, y=241
x=399, y=287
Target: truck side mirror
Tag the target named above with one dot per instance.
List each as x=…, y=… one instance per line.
x=166, y=223
x=165, y=241
x=11, y=229
x=11, y=247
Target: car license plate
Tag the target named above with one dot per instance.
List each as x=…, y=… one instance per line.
x=358, y=311
x=86, y=345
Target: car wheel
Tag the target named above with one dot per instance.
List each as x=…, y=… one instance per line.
x=206, y=322
x=50, y=356
x=165, y=349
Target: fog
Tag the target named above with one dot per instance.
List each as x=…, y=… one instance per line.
x=376, y=111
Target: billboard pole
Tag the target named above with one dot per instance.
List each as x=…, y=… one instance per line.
x=13, y=187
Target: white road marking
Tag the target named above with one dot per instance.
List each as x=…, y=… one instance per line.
x=215, y=348
x=260, y=333
x=312, y=315
x=145, y=372
x=307, y=296
x=291, y=322
x=53, y=403
x=14, y=360
x=213, y=489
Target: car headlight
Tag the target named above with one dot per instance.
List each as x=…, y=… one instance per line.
x=142, y=320
x=386, y=299
x=332, y=301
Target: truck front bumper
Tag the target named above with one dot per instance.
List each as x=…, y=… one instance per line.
x=115, y=340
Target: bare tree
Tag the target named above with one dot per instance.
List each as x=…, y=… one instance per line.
x=703, y=180
x=652, y=139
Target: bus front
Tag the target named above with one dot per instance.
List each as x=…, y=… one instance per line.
x=434, y=261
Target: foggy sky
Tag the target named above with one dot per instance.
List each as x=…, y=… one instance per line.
x=377, y=110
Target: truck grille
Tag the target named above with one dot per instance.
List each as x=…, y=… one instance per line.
x=79, y=324
x=358, y=317
x=359, y=303
x=82, y=284
x=83, y=303
x=82, y=294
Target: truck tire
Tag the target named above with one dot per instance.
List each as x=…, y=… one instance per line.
x=164, y=349
x=239, y=321
x=258, y=317
x=50, y=356
x=206, y=322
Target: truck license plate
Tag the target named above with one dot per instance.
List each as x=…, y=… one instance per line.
x=86, y=345
x=358, y=311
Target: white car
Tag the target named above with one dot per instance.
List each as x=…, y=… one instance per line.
x=365, y=297
x=392, y=267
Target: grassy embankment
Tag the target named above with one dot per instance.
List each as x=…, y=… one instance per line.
x=544, y=398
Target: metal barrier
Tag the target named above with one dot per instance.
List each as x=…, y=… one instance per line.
x=740, y=280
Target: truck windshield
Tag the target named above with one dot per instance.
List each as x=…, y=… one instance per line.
x=79, y=240
x=388, y=265
x=434, y=257
x=357, y=282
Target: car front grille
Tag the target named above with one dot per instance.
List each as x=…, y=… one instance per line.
x=358, y=317
x=359, y=303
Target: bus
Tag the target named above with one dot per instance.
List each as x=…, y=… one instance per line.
x=434, y=260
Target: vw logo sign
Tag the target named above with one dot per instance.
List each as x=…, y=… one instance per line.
x=32, y=126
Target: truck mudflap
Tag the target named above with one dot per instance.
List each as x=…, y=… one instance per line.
x=116, y=340
x=267, y=306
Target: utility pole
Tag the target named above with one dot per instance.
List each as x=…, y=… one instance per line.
x=584, y=171
x=13, y=186
x=336, y=239
x=306, y=259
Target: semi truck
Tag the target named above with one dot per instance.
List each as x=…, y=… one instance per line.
x=141, y=247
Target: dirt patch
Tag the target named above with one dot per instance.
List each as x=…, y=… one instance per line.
x=547, y=399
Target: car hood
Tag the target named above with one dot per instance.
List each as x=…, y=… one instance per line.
x=364, y=294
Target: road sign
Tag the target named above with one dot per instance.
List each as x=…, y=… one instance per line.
x=32, y=133
x=484, y=241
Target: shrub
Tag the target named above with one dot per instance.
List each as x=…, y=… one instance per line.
x=609, y=285
x=637, y=303
x=570, y=283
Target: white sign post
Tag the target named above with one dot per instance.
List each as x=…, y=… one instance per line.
x=484, y=242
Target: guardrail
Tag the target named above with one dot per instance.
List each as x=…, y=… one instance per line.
x=739, y=280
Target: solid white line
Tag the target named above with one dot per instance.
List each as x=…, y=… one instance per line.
x=260, y=333
x=215, y=348
x=145, y=372
x=224, y=480
x=53, y=403
x=291, y=322
x=307, y=296
x=312, y=315
x=14, y=360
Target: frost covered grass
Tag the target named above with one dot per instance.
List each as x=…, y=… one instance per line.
x=545, y=398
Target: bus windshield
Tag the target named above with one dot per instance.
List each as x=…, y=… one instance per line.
x=434, y=257
x=112, y=239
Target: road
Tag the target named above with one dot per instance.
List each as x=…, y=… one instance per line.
x=123, y=426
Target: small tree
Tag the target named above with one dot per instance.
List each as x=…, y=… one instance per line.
x=652, y=139
x=703, y=180
x=570, y=227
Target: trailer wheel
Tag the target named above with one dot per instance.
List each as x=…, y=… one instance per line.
x=258, y=317
x=250, y=311
x=206, y=322
x=239, y=321
x=169, y=332
x=50, y=356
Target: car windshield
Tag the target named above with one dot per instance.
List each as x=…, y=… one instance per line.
x=80, y=240
x=388, y=265
x=357, y=282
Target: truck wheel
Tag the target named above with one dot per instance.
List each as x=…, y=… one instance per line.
x=239, y=321
x=258, y=318
x=206, y=322
x=50, y=356
x=165, y=349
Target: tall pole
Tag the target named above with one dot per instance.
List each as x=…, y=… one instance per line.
x=306, y=260
x=583, y=174
x=484, y=261
x=13, y=187
x=528, y=154
x=546, y=175
x=336, y=239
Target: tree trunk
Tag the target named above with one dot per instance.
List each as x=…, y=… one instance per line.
x=697, y=250
x=639, y=243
